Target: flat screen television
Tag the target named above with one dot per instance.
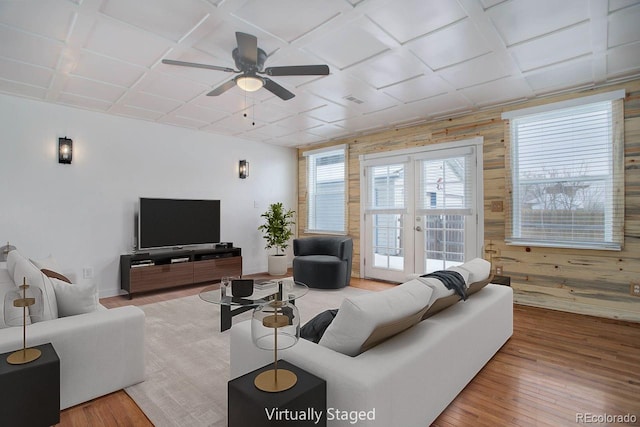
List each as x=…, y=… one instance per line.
x=164, y=223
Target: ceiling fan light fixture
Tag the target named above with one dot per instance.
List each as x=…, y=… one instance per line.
x=249, y=83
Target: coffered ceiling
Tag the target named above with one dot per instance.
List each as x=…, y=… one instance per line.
x=392, y=62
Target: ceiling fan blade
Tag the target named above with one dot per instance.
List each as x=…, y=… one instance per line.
x=247, y=48
x=298, y=70
x=222, y=88
x=195, y=65
x=277, y=90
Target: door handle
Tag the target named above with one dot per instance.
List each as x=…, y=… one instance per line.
x=418, y=228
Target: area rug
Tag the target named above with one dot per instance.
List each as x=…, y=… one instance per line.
x=187, y=358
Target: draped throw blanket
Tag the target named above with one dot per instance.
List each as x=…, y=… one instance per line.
x=451, y=280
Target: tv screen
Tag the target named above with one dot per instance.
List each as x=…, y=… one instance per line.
x=177, y=222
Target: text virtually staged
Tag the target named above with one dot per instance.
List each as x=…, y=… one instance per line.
x=315, y=415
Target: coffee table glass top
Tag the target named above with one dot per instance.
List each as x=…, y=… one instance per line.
x=263, y=292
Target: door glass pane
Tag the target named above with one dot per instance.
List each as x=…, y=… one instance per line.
x=444, y=241
x=386, y=202
x=387, y=241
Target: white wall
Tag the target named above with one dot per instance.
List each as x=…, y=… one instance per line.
x=83, y=213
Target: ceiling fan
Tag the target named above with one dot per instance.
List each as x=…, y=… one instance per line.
x=249, y=59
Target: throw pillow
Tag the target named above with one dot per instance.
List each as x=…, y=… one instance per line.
x=478, y=268
x=314, y=329
x=49, y=263
x=55, y=275
x=359, y=316
x=24, y=269
x=75, y=299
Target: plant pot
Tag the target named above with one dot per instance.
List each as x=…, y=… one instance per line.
x=277, y=265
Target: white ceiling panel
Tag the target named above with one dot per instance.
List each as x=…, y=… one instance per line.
x=29, y=48
x=51, y=18
x=520, y=20
x=387, y=69
x=129, y=111
x=350, y=92
x=151, y=102
x=172, y=119
x=486, y=4
x=201, y=114
x=441, y=105
x=151, y=15
x=418, y=88
x=92, y=89
x=408, y=19
x=623, y=59
x=348, y=45
x=556, y=47
x=392, y=62
x=29, y=74
x=451, y=45
x=619, y=4
x=552, y=79
x=476, y=71
x=21, y=89
x=269, y=111
x=299, y=123
x=123, y=42
x=624, y=26
x=171, y=87
x=290, y=19
x=331, y=113
x=108, y=70
x=498, y=91
x=240, y=123
x=82, y=102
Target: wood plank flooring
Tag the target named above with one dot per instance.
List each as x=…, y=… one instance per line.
x=554, y=367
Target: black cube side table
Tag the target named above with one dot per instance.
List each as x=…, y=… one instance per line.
x=30, y=393
x=301, y=405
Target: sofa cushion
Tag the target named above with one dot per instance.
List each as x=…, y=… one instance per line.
x=477, y=286
x=24, y=269
x=49, y=263
x=74, y=299
x=358, y=317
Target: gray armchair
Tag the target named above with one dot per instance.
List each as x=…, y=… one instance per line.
x=323, y=262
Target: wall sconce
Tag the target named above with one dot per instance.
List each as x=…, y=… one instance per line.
x=65, y=150
x=243, y=169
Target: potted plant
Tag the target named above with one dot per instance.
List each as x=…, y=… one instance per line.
x=277, y=232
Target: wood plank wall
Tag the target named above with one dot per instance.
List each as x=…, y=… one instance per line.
x=580, y=281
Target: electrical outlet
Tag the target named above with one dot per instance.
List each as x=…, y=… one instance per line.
x=498, y=270
x=87, y=273
x=634, y=289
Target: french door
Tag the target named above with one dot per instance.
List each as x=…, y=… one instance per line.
x=421, y=209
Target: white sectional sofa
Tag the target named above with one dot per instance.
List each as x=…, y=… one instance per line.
x=410, y=378
x=100, y=351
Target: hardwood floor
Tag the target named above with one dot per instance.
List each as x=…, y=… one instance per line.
x=555, y=367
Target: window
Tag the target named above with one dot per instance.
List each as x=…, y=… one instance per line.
x=326, y=190
x=567, y=174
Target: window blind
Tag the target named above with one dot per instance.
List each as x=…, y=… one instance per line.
x=567, y=177
x=446, y=185
x=326, y=190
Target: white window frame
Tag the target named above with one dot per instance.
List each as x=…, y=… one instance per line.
x=310, y=191
x=613, y=238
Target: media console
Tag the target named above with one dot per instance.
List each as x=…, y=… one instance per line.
x=144, y=272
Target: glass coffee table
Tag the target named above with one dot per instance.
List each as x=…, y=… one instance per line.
x=263, y=291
